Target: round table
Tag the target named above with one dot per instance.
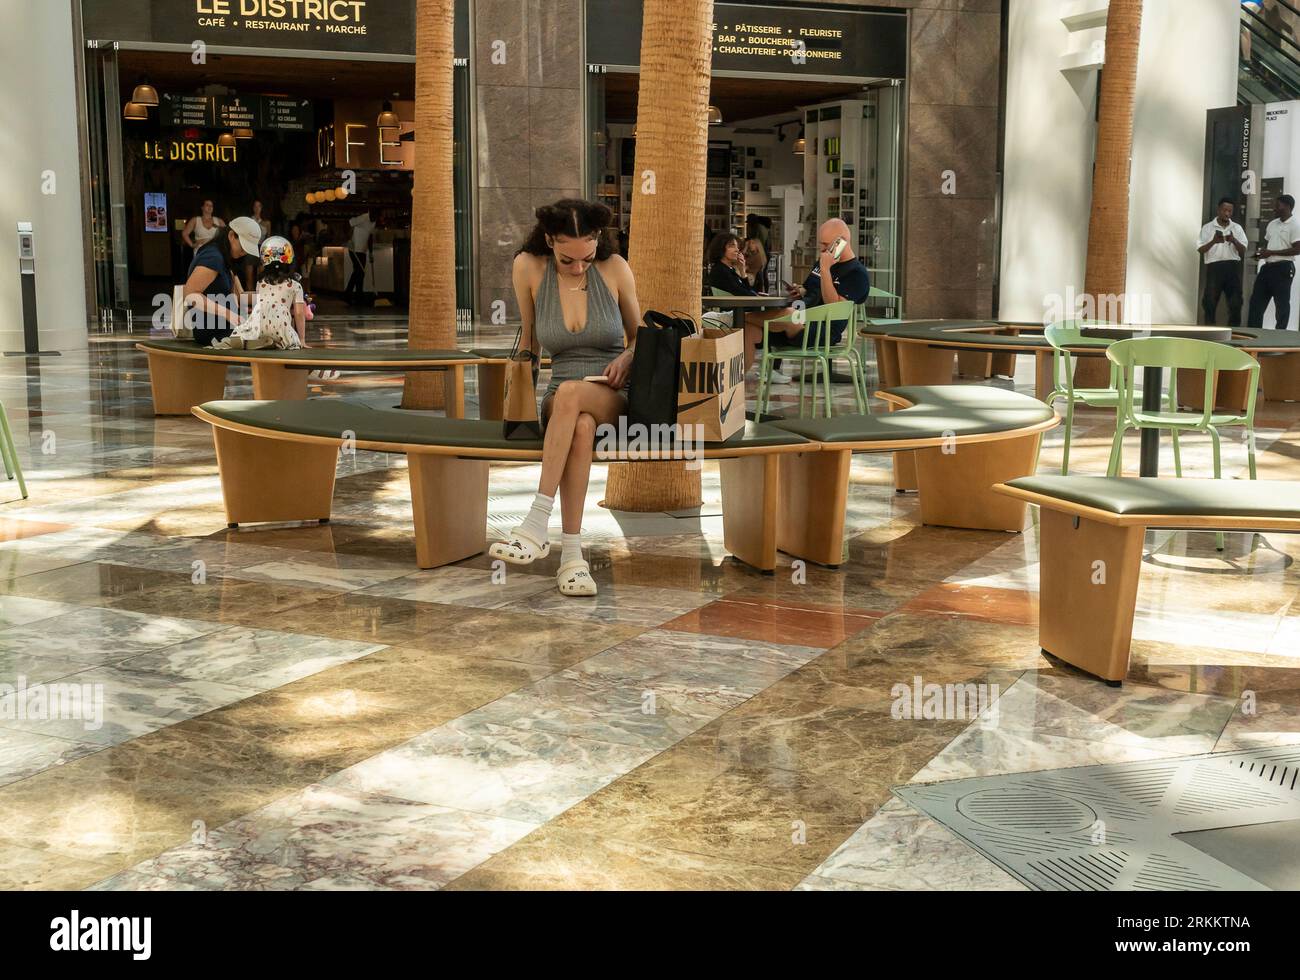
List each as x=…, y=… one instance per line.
x=921, y=352
x=740, y=305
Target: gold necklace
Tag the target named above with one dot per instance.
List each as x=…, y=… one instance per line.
x=582, y=286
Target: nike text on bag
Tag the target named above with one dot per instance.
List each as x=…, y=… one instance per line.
x=711, y=383
x=519, y=413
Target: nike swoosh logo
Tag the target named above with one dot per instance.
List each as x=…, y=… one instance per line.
x=689, y=405
x=726, y=411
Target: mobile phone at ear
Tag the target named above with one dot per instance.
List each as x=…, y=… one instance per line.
x=837, y=248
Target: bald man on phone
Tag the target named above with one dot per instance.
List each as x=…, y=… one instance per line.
x=838, y=275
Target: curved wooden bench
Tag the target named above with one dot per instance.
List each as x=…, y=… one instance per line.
x=277, y=463
x=922, y=353
x=950, y=442
x=1090, y=548
x=183, y=375
x=784, y=484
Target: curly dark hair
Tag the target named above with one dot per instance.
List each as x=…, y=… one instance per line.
x=718, y=246
x=572, y=218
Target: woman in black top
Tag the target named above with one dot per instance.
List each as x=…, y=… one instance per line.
x=727, y=266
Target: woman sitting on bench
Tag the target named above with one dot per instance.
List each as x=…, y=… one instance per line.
x=577, y=299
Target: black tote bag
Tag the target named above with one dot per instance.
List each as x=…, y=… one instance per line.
x=656, y=364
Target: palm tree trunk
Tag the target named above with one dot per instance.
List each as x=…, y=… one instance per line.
x=666, y=234
x=432, y=320
x=1107, y=269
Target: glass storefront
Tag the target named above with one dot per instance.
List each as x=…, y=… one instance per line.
x=807, y=107
x=318, y=136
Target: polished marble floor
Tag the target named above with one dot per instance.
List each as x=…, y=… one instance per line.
x=299, y=707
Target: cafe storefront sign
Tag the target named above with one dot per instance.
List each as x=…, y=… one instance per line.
x=187, y=151
x=748, y=38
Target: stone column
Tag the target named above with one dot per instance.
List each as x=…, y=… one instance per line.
x=530, y=129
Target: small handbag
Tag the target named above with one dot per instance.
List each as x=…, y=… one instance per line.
x=519, y=414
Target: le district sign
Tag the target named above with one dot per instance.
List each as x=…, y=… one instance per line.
x=333, y=16
x=190, y=152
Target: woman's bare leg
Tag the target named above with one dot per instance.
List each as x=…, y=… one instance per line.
x=571, y=400
x=577, y=474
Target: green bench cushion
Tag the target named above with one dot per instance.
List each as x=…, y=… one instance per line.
x=332, y=354
x=330, y=417
x=1184, y=498
x=937, y=411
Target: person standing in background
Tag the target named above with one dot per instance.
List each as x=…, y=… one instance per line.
x=1278, y=250
x=203, y=227
x=362, y=228
x=1223, y=244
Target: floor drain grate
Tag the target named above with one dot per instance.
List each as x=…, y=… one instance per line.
x=1115, y=827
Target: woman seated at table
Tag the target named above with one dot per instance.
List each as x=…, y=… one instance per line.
x=577, y=299
x=727, y=272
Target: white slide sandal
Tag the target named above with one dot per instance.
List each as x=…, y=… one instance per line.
x=574, y=579
x=521, y=549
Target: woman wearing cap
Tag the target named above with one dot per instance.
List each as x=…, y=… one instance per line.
x=212, y=287
x=279, y=319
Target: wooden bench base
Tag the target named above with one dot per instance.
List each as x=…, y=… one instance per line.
x=273, y=480
x=449, y=507
x=1280, y=378
x=178, y=384
x=1088, y=582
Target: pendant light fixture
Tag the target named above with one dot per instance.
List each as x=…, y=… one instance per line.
x=226, y=139
x=388, y=118
x=243, y=133
x=801, y=144
x=136, y=111
x=145, y=94
x=715, y=116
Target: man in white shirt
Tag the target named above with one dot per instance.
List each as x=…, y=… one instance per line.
x=1281, y=246
x=362, y=226
x=1223, y=243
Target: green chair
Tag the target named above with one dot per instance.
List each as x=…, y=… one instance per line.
x=815, y=320
x=10, y=453
x=1062, y=336
x=720, y=292
x=1173, y=353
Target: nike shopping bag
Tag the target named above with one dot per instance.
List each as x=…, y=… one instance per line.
x=711, y=383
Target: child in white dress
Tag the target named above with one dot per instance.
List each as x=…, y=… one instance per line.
x=280, y=317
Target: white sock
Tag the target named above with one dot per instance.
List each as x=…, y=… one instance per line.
x=537, y=525
x=572, y=548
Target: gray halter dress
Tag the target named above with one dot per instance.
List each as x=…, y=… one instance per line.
x=575, y=356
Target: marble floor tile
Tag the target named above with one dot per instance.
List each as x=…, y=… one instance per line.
x=900, y=849
x=17, y=611
x=550, y=859
x=31, y=869
x=912, y=638
x=1262, y=723
x=116, y=705
x=366, y=618
x=801, y=624
x=980, y=751
x=774, y=818
x=463, y=587
x=222, y=600
x=249, y=658
x=327, y=836
x=23, y=754
x=487, y=768
x=624, y=711
x=990, y=605
x=98, y=636
x=698, y=661
x=631, y=605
